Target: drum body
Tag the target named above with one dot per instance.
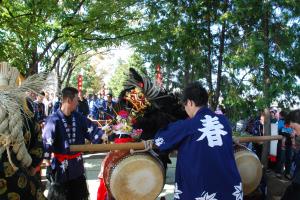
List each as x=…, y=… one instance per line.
x=133, y=176
x=249, y=168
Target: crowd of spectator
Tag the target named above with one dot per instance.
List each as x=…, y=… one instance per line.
x=96, y=107
x=287, y=148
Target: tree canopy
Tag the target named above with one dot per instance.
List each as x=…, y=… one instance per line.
x=52, y=35
x=246, y=53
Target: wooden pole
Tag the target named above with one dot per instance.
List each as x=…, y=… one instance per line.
x=257, y=138
x=141, y=145
x=107, y=147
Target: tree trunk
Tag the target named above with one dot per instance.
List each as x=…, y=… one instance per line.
x=58, y=75
x=220, y=60
x=168, y=69
x=70, y=68
x=267, y=124
x=266, y=131
x=69, y=76
x=33, y=67
x=59, y=55
x=208, y=61
x=186, y=74
x=168, y=77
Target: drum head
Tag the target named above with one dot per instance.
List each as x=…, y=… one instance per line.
x=250, y=169
x=137, y=177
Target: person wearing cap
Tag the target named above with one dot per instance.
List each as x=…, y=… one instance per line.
x=293, y=190
x=273, y=113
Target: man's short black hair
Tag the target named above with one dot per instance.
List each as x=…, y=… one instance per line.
x=293, y=116
x=195, y=92
x=69, y=92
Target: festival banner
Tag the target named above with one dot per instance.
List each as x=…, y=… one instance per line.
x=79, y=83
x=158, y=75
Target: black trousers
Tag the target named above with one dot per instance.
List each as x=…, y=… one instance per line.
x=258, y=149
x=75, y=189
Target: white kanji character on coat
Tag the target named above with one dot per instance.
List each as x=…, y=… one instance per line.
x=212, y=129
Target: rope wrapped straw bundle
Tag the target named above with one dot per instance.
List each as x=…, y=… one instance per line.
x=13, y=112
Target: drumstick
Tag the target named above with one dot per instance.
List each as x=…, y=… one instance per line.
x=256, y=139
x=107, y=147
x=141, y=145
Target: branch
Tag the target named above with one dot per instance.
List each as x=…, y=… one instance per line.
x=74, y=13
x=65, y=63
x=54, y=51
x=114, y=38
x=9, y=12
x=78, y=7
x=69, y=76
x=242, y=79
x=69, y=68
x=67, y=47
x=56, y=37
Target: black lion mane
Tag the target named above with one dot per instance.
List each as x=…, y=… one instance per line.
x=165, y=108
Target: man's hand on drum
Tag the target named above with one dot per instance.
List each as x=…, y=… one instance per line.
x=104, y=138
x=107, y=129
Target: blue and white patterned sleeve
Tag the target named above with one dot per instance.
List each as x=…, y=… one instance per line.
x=48, y=138
x=93, y=133
x=169, y=137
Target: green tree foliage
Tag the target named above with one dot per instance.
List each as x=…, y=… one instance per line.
x=36, y=34
x=187, y=39
x=246, y=53
x=263, y=57
x=117, y=80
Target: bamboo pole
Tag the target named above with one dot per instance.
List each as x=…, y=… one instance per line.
x=141, y=145
x=256, y=139
x=107, y=147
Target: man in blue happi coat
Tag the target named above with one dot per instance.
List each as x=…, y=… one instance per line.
x=108, y=110
x=63, y=128
x=94, y=106
x=206, y=167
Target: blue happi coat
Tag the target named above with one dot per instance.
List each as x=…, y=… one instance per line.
x=106, y=111
x=206, y=167
x=57, y=139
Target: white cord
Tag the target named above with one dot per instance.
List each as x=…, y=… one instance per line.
x=148, y=144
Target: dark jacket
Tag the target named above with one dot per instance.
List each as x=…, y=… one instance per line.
x=83, y=107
